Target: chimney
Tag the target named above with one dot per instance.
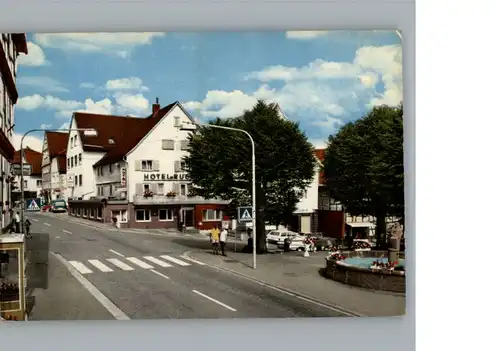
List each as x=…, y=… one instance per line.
x=156, y=106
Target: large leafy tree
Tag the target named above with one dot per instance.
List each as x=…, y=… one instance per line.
x=364, y=165
x=219, y=164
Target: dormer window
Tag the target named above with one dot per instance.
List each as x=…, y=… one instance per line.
x=111, y=141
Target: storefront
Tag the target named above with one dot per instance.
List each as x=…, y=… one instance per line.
x=88, y=209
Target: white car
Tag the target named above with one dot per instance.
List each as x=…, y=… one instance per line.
x=278, y=237
x=296, y=243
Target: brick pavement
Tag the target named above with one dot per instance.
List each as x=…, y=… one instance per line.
x=295, y=273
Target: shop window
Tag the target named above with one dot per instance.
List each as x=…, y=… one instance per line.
x=99, y=212
x=142, y=215
x=166, y=214
x=85, y=212
x=79, y=212
x=92, y=212
x=212, y=215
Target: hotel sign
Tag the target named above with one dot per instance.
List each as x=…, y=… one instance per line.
x=123, y=177
x=158, y=177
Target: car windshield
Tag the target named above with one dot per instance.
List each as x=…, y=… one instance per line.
x=59, y=203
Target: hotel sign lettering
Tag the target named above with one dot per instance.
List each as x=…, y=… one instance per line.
x=148, y=177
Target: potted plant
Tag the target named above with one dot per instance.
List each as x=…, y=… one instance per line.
x=148, y=193
x=171, y=194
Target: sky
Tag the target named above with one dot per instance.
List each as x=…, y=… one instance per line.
x=320, y=79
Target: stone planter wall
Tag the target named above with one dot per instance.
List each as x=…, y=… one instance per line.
x=366, y=278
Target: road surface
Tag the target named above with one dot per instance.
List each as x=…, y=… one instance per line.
x=81, y=272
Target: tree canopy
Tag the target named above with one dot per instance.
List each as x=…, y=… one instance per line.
x=364, y=165
x=219, y=164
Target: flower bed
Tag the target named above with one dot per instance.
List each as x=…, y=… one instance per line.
x=380, y=275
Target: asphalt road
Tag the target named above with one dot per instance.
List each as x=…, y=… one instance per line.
x=92, y=273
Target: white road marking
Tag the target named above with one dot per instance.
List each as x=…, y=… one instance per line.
x=139, y=263
x=80, y=267
x=214, y=300
x=48, y=225
x=99, y=296
x=101, y=266
x=195, y=261
x=175, y=260
x=120, y=264
x=116, y=253
x=157, y=261
x=67, y=231
x=158, y=273
x=34, y=220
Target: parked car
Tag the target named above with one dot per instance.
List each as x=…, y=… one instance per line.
x=296, y=243
x=321, y=242
x=58, y=206
x=278, y=236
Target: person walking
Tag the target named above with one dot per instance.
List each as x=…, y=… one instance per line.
x=222, y=240
x=214, y=238
x=17, y=218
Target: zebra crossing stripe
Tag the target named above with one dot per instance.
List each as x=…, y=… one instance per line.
x=80, y=267
x=157, y=261
x=100, y=266
x=120, y=264
x=175, y=260
x=139, y=263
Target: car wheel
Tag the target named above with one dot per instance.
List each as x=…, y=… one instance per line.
x=300, y=249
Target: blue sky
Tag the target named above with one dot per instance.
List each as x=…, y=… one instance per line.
x=321, y=79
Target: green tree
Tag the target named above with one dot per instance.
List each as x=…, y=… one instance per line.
x=219, y=164
x=364, y=166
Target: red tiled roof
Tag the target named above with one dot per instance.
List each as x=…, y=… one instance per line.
x=57, y=143
x=34, y=158
x=61, y=163
x=320, y=155
x=127, y=132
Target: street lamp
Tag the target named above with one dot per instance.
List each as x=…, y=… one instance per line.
x=86, y=132
x=191, y=127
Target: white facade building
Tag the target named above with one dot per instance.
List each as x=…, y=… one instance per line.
x=32, y=182
x=79, y=164
x=11, y=45
x=308, y=204
x=54, y=165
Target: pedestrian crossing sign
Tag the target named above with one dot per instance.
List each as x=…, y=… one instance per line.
x=245, y=214
x=32, y=205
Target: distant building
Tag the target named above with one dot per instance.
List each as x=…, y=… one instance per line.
x=32, y=182
x=11, y=45
x=138, y=176
x=54, y=165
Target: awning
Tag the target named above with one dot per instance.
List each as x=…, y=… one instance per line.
x=361, y=225
x=6, y=148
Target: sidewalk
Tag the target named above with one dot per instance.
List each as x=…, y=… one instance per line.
x=297, y=274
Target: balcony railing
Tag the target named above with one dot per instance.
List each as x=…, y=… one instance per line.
x=173, y=200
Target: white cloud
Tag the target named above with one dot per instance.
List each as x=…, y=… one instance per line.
x=306, y=34
x=45, y=126
x=43, y=83
x=131, y=83
x=120, y=44
x=31, y=141
x=135, y=103
x=319, y=143
x=324, y=91
x=37, y=101
x=34, y=58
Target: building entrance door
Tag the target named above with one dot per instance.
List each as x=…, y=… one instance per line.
x=188, y=217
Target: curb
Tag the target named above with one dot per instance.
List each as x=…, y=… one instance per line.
x=347, y=312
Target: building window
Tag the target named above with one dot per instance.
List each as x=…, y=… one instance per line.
x=121, y=216
x=110, y=190
x=80, y=179
x=85, y=212
x=212, y=215
x=25, y=184
x=99, y=212
x=72, y=162
x=147, y=165
x=38, y=183
x=110, y=169
x=183, y=189
x=161, y=189
x=76, y=160
x=166, y=214
x=183, y=166
x=76, y=180
x=80, y=159
x=69, y=163
x=142, y=215
x=71, y=142
x=146, y=187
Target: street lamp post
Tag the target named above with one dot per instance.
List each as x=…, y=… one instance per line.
x=86, y=132
x=254, y=188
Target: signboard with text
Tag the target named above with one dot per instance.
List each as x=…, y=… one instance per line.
x=158, y=177
x=123, y=176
